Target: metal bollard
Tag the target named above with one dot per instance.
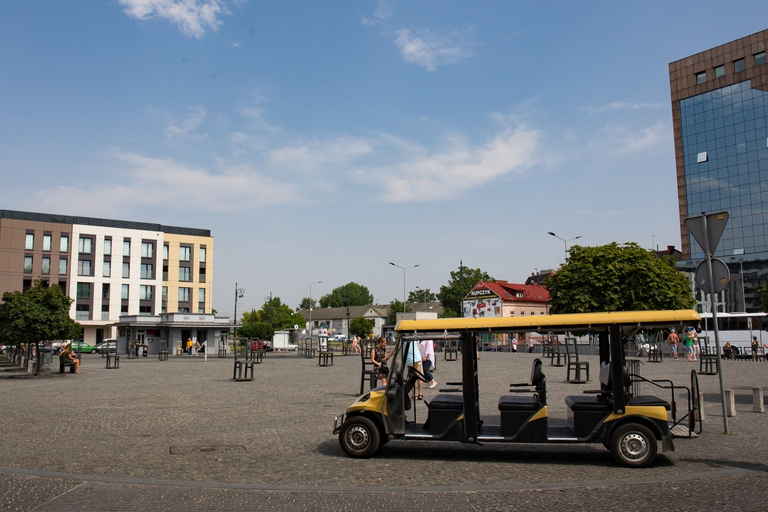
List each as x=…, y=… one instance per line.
x=757, y=400
x=730, y=403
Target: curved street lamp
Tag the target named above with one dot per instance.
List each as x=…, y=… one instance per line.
x=404, y=269
x=239, y=292
x=565, y=242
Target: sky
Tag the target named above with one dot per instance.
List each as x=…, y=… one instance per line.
x=322, y=140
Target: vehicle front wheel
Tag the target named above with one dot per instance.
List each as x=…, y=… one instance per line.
x=359, y=437
x=633, y=445
x=94, y=351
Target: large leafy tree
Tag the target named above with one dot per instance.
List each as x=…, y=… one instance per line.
x=461, y=283
x=39, y=314
x=360, y=327
x=350, y=294
x=306, y=302
x=396, y=307
x=275, y=314
x=617, y=277
x=421, y=295
x=258, y=330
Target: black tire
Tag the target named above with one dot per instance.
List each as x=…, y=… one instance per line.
x=94, y=351
x=633, y=445
x=359, y=437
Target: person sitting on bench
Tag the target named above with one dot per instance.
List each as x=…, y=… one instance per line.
x=69, y=357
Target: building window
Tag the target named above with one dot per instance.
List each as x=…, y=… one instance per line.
x=147, y=271
x=201, y=295
x=165, y=251
x=720, y=71
x=184, y=274
x=84, y=245
x=47, y=242
x=84, y=267
x=739, y=65
x=147, y=250
x=146, y=292
x=701, y=157
x=183, y=310
x=83, y=290
x=105, y=311
x=201, y=275
x=165, y=294
x=46, y=266
x=107, y=269
x=124, y=308
x=126, y=247
x=27, y=264
x=184, y=253
x=64, y=243
x=124, y=291
x=145, y=310
x=126, y=270
x=202, y=254
x=105, y=290
x=701, y=77
x=759, y=58
x=29, y=242
x=83, y=312
x=107, y=246
x=184, y=294
x=165, y=272
x=62, y=266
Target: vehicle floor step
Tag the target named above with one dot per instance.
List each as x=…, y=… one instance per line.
x=682, y=431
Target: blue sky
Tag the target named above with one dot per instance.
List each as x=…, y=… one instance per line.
x=320, y=140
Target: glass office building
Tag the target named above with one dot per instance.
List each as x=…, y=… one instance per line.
x=720, y=114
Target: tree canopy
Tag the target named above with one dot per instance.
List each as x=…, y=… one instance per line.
x=461, y=283
x=395, y=307
x=360, y=327
x=274, y=314
x=350, y=294
x=258, y=330
x=617, y=277
x=422, y=295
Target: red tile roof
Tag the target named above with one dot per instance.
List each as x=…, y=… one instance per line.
x=510, y=292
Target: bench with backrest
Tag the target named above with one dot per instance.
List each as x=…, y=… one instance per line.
x=368, y=369
x=65, y=363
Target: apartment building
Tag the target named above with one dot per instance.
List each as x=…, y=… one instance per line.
x=111, y=268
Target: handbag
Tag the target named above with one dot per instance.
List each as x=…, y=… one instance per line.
x=384, y=369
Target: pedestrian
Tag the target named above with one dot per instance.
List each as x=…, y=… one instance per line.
x=189, y=346
x=413, y=359
x=355, y=345
x=68, y=356
x=379, y=359
x=673, y=339
x=427, y=349
x=528, y=341
x=688, y=343
x=755, y=348
x=727, y=350
x=197, y=348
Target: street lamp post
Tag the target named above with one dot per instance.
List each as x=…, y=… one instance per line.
x=310, y=308
x=565, y=242
x=741, y=274
x=239, y=292
x=404, y=269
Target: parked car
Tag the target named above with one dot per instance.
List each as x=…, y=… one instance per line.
x=102, y=347
x=337, y=338
x=82, y=347
x=261, y=345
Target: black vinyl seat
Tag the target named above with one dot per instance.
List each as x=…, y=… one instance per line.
x=519, y=403
x=446, y=402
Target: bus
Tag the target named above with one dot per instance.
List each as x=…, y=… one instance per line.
x=738, y=329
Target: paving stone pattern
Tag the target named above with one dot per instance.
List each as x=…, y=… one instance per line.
x=182, y=435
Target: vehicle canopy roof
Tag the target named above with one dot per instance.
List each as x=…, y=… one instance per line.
x=555, y=323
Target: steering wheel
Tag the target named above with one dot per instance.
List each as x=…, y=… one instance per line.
x=413, y=371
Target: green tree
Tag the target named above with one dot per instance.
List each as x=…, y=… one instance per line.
x=360, y=327
x=461, y=283
x=258, y=330
x=274, y=313
x=351, y=294
x=421, y=296
x=617, y=277
x=764, y=297
x=39, y=314
x=305, y=303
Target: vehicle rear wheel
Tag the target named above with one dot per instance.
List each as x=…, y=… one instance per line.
x=94, y=351
x=633, y=445
x=359, y=437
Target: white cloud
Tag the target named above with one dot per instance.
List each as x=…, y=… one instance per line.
x=187, y=128
x=382, y=13
x=430, y=49
x=193, y=17
x=155, y=182
x=624, y=142
x=317, y=155
x=428, y=176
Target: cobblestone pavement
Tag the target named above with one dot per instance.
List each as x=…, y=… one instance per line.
x=182, y=435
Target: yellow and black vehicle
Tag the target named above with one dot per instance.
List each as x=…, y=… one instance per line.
x=631, y=427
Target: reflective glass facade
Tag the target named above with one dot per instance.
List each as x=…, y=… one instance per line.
x=725, y=148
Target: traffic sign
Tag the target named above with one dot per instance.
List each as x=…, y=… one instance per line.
x=720, y=276
x=715, y=223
